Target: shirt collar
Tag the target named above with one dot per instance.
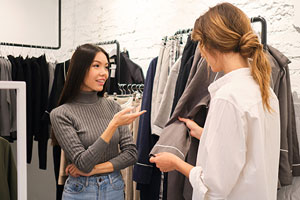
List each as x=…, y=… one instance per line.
x=238, y=73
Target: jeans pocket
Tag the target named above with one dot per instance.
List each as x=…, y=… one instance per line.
x=117, y=183
x=73, y=187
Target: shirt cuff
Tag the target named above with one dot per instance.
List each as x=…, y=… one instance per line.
x=196, y=180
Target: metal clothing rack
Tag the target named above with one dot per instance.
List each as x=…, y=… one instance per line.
x=38, y=46
x=183, y=31
x=179, y=32
x=252, y=20
x=118, y=54
x=263, y=29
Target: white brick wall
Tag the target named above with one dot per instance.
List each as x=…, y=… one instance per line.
x=139, y=25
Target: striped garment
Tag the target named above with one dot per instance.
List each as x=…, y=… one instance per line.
x=78, y=126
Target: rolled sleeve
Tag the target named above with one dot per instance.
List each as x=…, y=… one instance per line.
x=199, y=189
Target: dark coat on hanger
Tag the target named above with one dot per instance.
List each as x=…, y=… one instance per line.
x=42, y=135
x=58, y=84
x=147, y=176
x=130, y=73
x=289, y=163
x=184, y=71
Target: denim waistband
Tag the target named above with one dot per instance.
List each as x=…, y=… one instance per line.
x=96, y=179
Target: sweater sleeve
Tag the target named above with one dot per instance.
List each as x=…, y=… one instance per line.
x=65, y=133
x=128, y=151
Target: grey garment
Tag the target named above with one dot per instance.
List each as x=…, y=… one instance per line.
x=51, y=76
x=165, y=106
x=78, y=126
x=160, y=81
x=292, y=192
x=174, y=137
x=289, y=164
x=8, y=122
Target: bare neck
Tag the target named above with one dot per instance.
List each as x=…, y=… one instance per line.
x=232, y=61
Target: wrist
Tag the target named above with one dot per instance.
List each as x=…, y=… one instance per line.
x=113, y=124
x=176, y=163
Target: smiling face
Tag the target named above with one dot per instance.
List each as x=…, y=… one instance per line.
x=96, y=75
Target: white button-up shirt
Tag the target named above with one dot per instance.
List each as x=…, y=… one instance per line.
x=238, y=155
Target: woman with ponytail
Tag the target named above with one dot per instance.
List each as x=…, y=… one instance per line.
x=238, y=155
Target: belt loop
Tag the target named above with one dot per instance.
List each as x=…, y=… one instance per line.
x=110, y=178
x=87, y=181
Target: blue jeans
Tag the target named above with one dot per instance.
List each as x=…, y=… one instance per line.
x=107, y=187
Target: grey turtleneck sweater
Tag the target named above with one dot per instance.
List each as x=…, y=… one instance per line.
x=78, y=126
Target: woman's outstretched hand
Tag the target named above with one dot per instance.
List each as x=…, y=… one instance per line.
x=195, y=129
x=125, y=117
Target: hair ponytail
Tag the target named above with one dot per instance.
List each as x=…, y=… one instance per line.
x=250, y=47
x=226, y=28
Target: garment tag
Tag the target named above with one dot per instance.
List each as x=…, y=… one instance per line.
x=113, y=68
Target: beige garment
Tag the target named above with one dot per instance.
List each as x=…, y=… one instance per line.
x=131, y=193
x=62, y=177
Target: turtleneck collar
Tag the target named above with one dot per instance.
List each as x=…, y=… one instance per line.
x=86, y=97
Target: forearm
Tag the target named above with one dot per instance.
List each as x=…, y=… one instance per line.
x=109, y=131
x=126, y=158
x=102, y=168
x=183, y=167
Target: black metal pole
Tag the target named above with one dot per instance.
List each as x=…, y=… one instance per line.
x=263, y=28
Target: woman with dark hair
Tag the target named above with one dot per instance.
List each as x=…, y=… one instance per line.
x=238, y=154
x=91, y=129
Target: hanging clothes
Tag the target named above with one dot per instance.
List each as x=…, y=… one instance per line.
x=145, y=173
x=165, y=105
x=289, y=150
x=184, y=71
x=159, y=83
x=8, y=126
x=60, y=73
x=130, y=188
x=8, y=172
x=292, y=191
x=174, y=137
x=35, y=73
x=130, y=72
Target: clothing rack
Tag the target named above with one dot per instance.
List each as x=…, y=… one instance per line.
x=252, y=20
x=118, y=54
x=179, y=32
x=183, y=31
x=263, y=29
x=38, y=46
x=131, y=88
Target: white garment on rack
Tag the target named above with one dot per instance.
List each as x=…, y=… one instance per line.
x=159, y=84
x=165, y=106
x=130, y=187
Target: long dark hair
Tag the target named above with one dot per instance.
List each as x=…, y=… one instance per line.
x=80, y=63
